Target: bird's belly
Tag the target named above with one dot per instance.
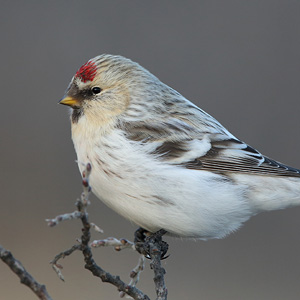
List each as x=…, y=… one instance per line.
x=183, y=203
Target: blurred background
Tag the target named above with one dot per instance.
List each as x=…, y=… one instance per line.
x=237, y=60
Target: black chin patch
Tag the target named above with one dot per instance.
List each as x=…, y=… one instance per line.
x=76, y=115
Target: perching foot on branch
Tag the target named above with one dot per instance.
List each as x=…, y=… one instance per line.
x=153, y=247
x=143, y=239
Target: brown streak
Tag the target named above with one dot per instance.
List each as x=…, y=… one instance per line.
x=171, y=149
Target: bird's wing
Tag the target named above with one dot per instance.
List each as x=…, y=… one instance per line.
x=204, y=146
x=235, y=156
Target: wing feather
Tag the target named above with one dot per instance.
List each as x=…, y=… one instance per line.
x=227, y=157
x=199, y=142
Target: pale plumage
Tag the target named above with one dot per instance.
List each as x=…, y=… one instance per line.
x=161, y=161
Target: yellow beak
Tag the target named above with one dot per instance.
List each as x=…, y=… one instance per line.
x=69, y=101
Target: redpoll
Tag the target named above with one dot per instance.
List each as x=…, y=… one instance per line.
x=162, y=162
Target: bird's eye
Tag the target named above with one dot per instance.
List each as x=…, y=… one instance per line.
x=96, y=90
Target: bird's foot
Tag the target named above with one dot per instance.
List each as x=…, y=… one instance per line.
x=143, y=240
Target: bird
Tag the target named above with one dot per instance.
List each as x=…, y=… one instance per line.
x=162, y=162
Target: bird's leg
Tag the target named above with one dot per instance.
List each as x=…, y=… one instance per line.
x=139, y=240
x=140, y=235
x=143, y=239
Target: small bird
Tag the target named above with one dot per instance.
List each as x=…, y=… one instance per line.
x=162, y=162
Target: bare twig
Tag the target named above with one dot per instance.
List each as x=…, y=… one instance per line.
x=99, y=272
x=96, y=228
x=56, y=266
x=135, y=273
x=69, y=216
x=84, y=246
x=111, y=241
x=25, y=277
x=156, y=246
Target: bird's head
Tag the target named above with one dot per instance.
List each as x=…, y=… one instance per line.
x=105, y=86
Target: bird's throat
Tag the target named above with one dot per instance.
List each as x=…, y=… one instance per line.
x=76, y=115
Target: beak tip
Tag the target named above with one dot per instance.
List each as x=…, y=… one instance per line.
x=70, y=101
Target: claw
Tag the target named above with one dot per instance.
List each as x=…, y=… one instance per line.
x=142, y=238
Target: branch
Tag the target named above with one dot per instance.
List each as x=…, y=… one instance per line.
x=69, y=216
x=156, y=250
x=98, y=271
x=153, y=247
x=57, y=267
x=111, y=241
x=25, y=277
x=84, y=246
x=135, y=273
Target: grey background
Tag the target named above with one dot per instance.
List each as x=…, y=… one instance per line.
x=238, y=60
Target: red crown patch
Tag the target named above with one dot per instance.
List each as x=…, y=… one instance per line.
x=87, y=72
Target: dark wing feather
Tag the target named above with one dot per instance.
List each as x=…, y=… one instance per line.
x=247, y=160
x=268, y=167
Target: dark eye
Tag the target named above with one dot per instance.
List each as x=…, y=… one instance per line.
x=96, y=90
